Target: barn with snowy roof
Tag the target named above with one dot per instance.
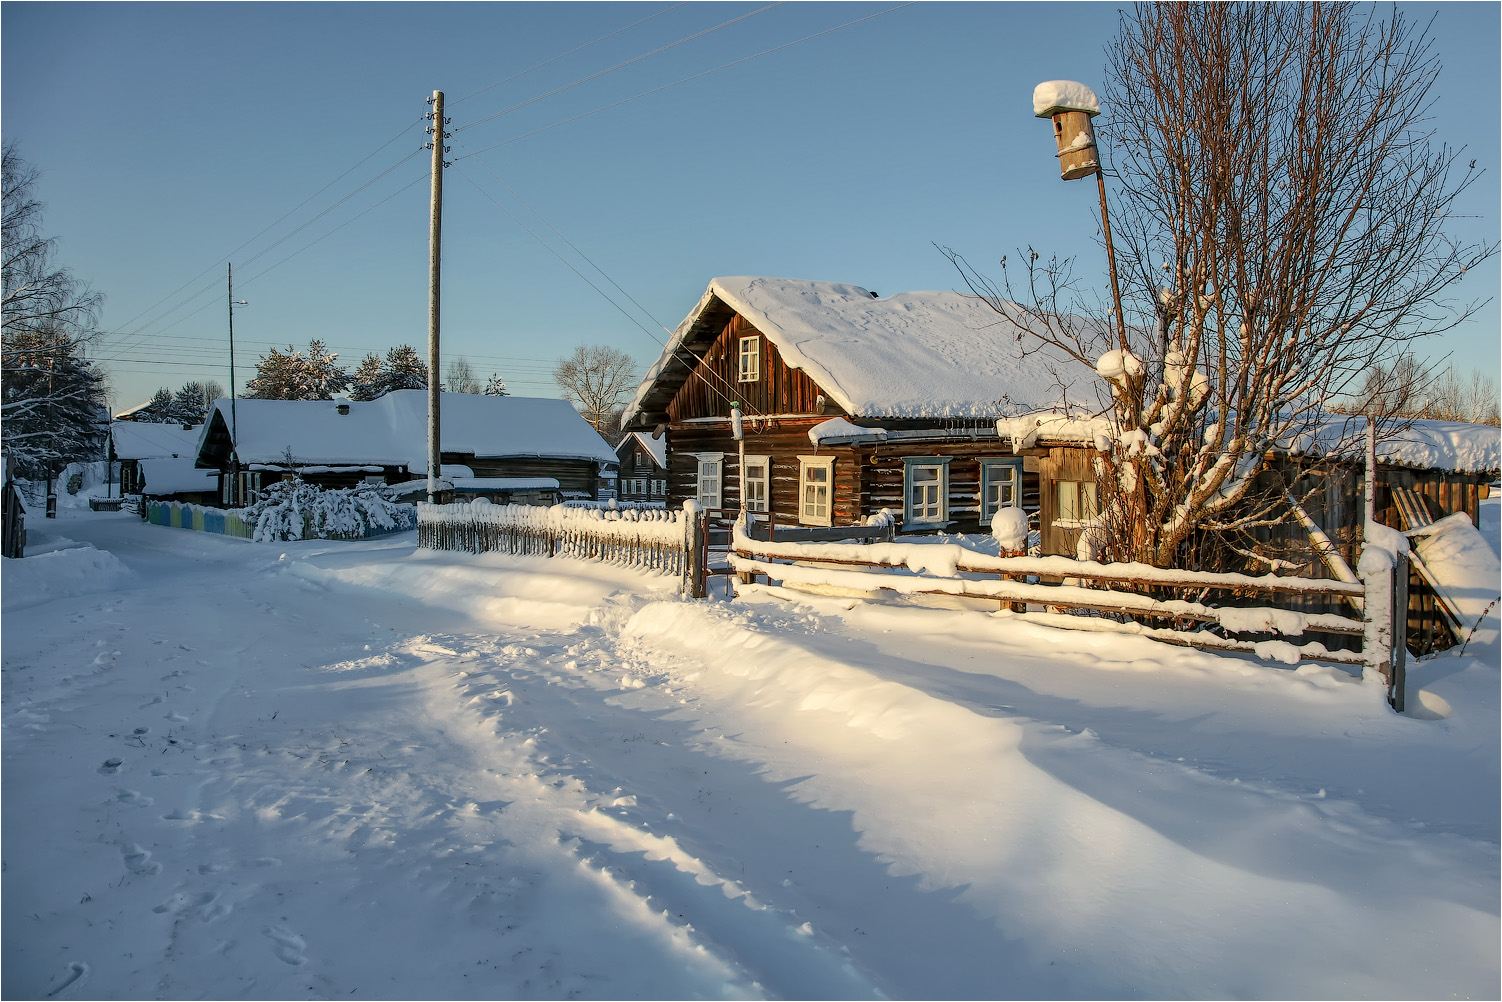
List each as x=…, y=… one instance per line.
x=522, y=449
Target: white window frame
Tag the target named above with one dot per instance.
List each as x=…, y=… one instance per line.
x=709, y=479
x=750, y=358
x=756, y=481
x=995, y=473
x=1076, y=503
x=931, y=511
x=810, y=510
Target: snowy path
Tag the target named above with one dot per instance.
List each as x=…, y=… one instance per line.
x=357, y=771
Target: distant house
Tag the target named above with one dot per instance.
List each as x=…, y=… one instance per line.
x=525, y=449
x=643, y=466
x=157, y=461
x=850, y=403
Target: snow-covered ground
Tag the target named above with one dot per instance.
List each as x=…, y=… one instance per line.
x=356, y=770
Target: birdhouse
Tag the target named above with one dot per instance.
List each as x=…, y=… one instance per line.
x=1071, y=106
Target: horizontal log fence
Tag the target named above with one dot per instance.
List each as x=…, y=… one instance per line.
x=669, y=542
x=1136, y=593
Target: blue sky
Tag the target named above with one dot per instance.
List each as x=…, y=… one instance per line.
x=176, y=136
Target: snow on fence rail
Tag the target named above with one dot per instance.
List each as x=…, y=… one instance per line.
x=672, y=542
x=1133, y=590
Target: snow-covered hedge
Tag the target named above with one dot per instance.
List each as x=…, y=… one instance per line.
x=296, y=509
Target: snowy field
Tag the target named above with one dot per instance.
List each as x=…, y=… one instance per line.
x=355, y=770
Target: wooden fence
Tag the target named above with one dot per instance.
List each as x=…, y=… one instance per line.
x=1221, y=612
x=669, y=542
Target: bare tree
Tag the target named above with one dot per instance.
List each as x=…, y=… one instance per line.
x=461, y=377
x=1281, y=221
x=54, y=399
x=597, y=379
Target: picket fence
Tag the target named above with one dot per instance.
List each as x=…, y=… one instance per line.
x=670, y=542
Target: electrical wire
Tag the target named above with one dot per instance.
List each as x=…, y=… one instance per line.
x=595, y=76
x=570, y=52
x=687, y=79
x=403, y=131
x=728, y=394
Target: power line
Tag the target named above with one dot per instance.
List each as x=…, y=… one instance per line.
x=570, y=52
x=268, y=228
x=675, y=83
x=617, y=66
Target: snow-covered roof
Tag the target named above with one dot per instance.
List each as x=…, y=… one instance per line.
x=392, y=430
x=1418, y=444
x=146, y=440
x=1064, y=95
x=909, y=355
x=657, y=448
x=176, y=476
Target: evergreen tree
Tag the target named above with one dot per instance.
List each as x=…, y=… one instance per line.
x=496, y=387
x=295, y=376
x=405, y=369
x=160, y=408
x=366, y=383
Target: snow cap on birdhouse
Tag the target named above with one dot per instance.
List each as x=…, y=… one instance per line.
x=1071, y=106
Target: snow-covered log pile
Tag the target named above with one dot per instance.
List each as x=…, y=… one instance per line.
x=648, y=537
x=296, y=509
x=1130, y=590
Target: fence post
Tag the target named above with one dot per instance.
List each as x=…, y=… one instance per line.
x=696, y=546
x=1385, y=620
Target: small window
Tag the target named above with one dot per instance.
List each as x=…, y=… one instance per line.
x=925, y=491
x=710, y=467
x=750, y=358
x=756, y=481
x=1077, y=502
x=815, y=490
x=1000, y=487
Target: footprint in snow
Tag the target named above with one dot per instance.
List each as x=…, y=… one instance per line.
x=138, y=860
x=179, y=903
x=287, y=945
x=76, y=973
x=134, y=798
x=175, y=717
x=110, y=767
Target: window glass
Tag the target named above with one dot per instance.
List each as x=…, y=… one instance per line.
x=756, y=483
x=708, y=493
x=750, y=359
x=815, y=477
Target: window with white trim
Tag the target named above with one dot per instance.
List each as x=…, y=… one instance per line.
x=756, y=481
x=1000, y=486
x=816, y=490
x=1076, y=502
x=925, y=491
x=710, y=478
x=750, y=359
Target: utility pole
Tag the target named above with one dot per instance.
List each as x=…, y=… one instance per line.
x=435, y=244
x=234, y=433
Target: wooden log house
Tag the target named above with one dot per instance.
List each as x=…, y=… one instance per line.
x=850, y=403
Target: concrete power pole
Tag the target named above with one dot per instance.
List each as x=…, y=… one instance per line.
x=435, y=243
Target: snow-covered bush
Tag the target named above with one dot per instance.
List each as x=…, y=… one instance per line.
x=296, y=509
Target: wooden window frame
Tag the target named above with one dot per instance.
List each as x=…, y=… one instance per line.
x=911, y=465
x=1079, y=506
x=988, y=478
x=749, y=358
x=807, y=514
x=763, y=504
x=717, y=498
